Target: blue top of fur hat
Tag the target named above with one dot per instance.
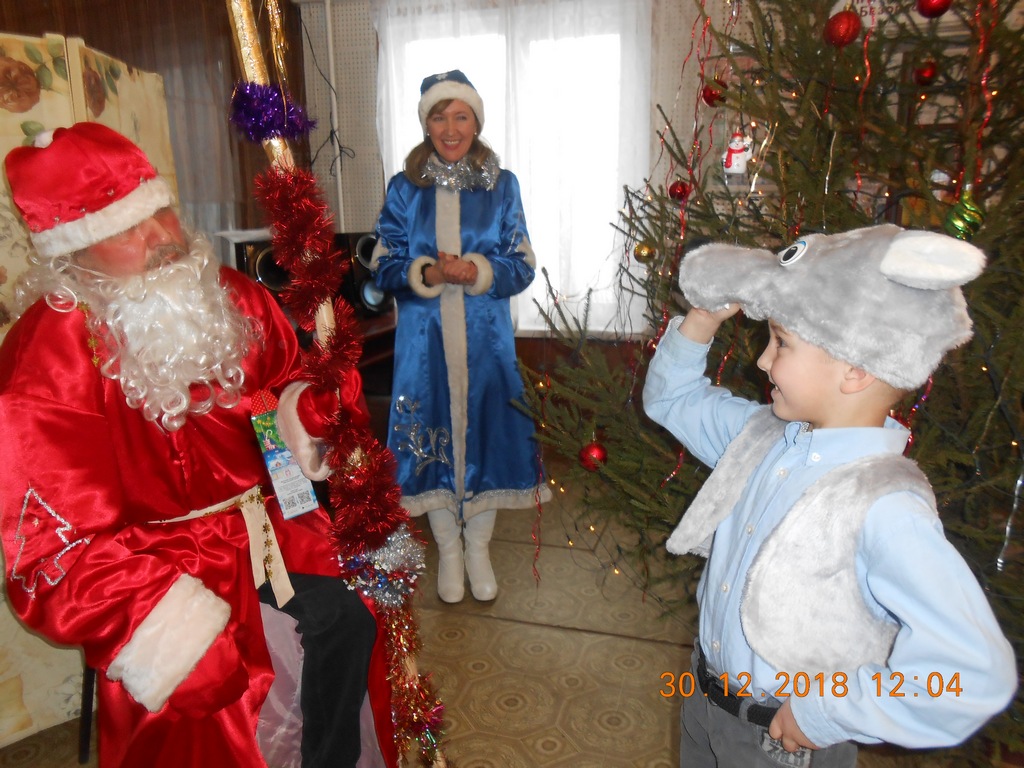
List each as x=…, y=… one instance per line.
x=882, y=298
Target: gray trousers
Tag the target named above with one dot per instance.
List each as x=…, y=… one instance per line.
x=712, y=738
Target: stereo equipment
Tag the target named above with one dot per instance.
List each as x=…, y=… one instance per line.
x=256, y=259
x=374, y=309
x=359, y=288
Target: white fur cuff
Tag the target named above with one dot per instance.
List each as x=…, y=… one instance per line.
x=415, y=278
x=304, y=447
x=169, y=642
x=484, y=274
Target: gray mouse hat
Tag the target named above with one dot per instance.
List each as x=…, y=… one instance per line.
x=882, y=298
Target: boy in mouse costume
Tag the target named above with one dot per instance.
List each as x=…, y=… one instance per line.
x=827, y=562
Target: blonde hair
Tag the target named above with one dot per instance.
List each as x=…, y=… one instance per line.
x=416, y=160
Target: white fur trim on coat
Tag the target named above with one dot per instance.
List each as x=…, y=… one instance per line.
x=415, y=278
x=807, y=568
x=305, y=448
x=484, y=274
x=170, y=641
x=120, y=216
x=722, y=490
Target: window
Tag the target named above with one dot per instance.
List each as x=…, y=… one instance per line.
x=566, y=92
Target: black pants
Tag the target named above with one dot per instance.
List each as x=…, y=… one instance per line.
x=337, y=635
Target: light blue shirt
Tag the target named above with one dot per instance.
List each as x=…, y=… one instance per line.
x=907, y=571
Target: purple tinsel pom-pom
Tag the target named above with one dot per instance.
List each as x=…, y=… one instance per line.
x=262, y=112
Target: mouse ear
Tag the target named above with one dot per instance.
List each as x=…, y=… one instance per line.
x=931, y=260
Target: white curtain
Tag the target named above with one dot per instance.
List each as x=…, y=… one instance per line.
x=566, y=92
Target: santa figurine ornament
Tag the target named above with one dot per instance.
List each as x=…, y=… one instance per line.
x=736, y=156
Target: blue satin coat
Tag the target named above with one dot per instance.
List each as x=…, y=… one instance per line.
x=459, y=442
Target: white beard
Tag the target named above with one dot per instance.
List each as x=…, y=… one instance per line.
x=173, y=338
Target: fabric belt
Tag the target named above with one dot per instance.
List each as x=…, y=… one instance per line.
x=742, y=707
x=264, y=551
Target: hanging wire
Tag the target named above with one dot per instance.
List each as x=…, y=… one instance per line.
x=333, y=138
x=1009, y=534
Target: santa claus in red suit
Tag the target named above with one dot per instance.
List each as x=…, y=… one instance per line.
x=138, y=520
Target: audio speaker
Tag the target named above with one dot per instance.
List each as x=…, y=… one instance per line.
x=256, y=259
x=359, y=287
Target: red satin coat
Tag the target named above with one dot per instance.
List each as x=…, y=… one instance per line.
x=81, y=475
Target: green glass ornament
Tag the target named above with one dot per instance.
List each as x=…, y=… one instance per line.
x=965, y=217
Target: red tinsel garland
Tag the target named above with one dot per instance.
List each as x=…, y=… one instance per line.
x=303, y=242
x=365, y=501
x=364, y=498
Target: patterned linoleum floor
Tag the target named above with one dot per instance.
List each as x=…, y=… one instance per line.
x=563, y=669
x=560, y=672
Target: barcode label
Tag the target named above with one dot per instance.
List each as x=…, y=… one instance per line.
x=293, y=489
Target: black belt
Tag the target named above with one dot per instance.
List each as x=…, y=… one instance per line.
x=738, y=706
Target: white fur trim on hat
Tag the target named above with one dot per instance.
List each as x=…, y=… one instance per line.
x=451, y=89
x=120, y=216
x=170, y=641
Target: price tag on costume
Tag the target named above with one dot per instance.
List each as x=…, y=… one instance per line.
x=293, y=489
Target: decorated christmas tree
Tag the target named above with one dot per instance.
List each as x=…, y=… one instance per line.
x=817, y=117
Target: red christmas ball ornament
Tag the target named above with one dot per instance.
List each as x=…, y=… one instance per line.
x=932, y=9
x=593, y=455
x=679, y=190
x=842, y=28
x=713, y=94
x=926, y=73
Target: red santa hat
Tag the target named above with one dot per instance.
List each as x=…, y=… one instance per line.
x=77, y=186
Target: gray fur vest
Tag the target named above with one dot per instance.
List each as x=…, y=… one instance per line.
x=802, y=609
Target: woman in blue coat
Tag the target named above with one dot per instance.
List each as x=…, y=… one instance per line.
x=453, y=249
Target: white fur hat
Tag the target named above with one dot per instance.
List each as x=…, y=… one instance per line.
x=882, y=298
x=449, y=85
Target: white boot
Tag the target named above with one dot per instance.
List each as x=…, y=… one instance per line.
x=451, y=580
x=478, y=557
